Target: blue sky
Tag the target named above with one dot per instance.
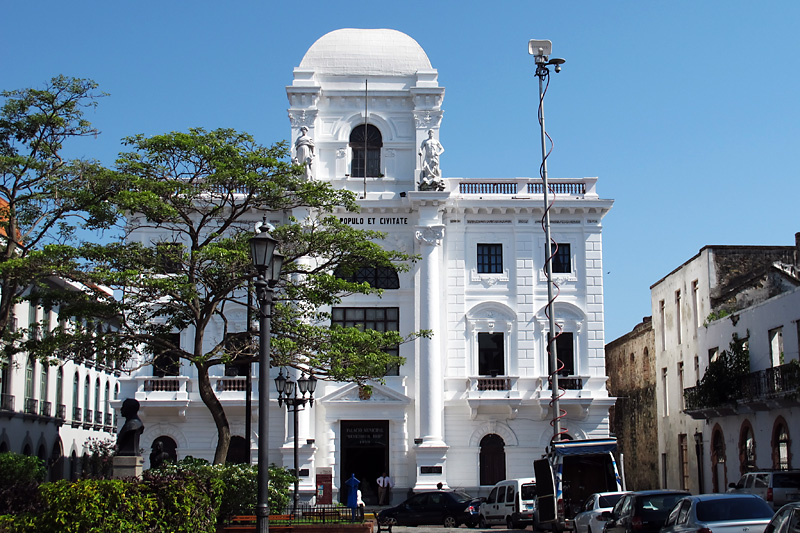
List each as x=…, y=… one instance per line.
x=685, y=110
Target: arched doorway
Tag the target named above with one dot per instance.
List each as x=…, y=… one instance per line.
x=781, y=445
x=492, y=459
x=747, y=448
x=164, y=449
x=238, y=451
x=718, y=474
x=56, y=463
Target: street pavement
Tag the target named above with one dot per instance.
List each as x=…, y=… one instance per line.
x=461, y=529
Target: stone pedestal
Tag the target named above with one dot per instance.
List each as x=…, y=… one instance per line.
x=128, y=466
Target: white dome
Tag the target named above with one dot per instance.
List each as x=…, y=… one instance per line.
x=352, y=51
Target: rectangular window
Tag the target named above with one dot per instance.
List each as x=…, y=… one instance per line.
x=562, y=259
x=662, y=322
x=169, y=257
x=490, y=258
x=776, y=346
x=665, y=392
x=663, y=470
x=683, y=450
x=696, y=304
x=168, y=363
x=680, y=385
x=713, y=354
x=491, y=354
x=565, y=351
x=374, y=318
x=678, y=314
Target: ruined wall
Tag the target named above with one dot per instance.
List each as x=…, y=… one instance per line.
x=741, y=274
x=630, y=364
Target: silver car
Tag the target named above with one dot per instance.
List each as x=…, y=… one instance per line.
x=588, y=519
x=720, y=513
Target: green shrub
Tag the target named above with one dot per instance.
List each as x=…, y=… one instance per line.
x=239, y=484
x=20, y=476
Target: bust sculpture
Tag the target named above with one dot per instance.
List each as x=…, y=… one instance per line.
x=128, y=438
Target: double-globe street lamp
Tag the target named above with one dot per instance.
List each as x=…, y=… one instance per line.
x=268, y=264
x=287, y=394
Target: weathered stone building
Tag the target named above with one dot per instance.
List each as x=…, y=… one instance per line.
x=630, y=364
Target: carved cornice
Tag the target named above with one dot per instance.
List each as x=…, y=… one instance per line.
x=302, y=117
x=427, y=119
x=431, y=235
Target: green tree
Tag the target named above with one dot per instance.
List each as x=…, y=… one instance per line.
x=191, y=201
x=44, y=197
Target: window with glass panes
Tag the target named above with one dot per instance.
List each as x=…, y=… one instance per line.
x=490, y=258
x=366, y=138
x=375, y=318
x=382, y=277
x=562, y=258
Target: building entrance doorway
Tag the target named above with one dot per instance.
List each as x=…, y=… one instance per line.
x=365, y=453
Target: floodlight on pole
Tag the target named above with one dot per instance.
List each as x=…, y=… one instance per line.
x=541, y=50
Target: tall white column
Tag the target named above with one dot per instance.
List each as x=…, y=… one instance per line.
x=430, y=359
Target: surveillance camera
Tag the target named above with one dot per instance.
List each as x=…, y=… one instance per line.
x=558, y=68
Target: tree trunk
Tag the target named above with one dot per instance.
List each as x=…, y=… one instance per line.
x=217, y=413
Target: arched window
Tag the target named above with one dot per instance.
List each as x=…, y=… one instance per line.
x=379, y=277
x=59, y=399
x=781, y=445
x=30, y=370
x=107, y=407
x=43, y=378
x=238, y=451
x=86, y=401
x=366, y=143
x=718, y=474
x=747, y=448
x=98, y=414
x=492, y=459
x=76, y=406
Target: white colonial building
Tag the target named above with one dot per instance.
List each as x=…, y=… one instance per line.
x=472, y=404
x=55, y=411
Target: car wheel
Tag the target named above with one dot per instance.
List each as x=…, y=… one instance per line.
x=510, y=523
x=473, y=525
x=482, y=522
x=450, y=521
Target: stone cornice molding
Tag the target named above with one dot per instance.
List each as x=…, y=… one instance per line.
x=302, y=117
x=427, y=119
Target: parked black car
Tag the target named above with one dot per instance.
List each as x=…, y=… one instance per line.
x=642, y=512
x=450, y=509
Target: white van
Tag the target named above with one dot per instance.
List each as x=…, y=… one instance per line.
x=511, y=503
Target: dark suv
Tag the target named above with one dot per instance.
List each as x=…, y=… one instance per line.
x=776, y=488
x=642, y=512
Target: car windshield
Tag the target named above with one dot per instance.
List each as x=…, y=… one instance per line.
x=528, y=491
x=461, y=497
x=608, y=500
x=786, y=481
x=732, y=509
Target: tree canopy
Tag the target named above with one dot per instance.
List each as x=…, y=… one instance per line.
x=190, y=202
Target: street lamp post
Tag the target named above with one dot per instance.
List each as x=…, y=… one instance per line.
x=541, y=49
x=268, y=263
x=287, y=394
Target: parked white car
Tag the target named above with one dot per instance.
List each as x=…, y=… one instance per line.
x=588, y=519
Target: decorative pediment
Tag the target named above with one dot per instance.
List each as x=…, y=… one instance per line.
x=352, y=393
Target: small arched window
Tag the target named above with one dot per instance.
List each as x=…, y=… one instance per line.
x=492, y=459
x=747, y=448
x=780, y=446
x=365, y=144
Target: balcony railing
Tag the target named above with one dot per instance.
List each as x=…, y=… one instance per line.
x=76, y=414
x=45, y=408
x=87, y=416
x=228, y=384
x=165, y=384
x=484, y=384
x=520, y=187
x=778, y=383
x=98, y=418
x=7, y=402
x=109, y=419
x=61, y=411
x=31, y=405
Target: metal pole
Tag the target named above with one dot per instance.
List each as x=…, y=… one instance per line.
x=264, y=293
x=551, y=339
x=248, y=388
x=296, y=460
